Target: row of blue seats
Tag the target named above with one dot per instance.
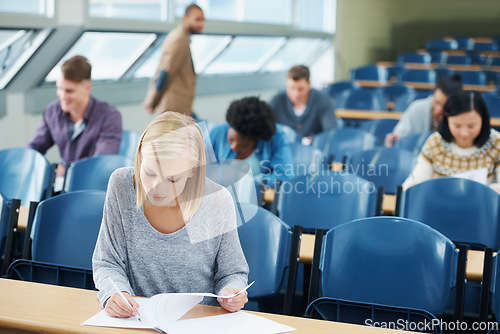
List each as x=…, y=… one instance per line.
x=403, y=74
x=350, y=95
x=457, y=220
x=463, y=43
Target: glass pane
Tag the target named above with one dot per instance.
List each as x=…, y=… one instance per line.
x=245, y=54
x=129, y=9
x=148, y=68
x=16, y=47
x=317, y=15
x=295, y=52
x=276, y=11
x=204, y=48
x=110, y=54
x=40, y=7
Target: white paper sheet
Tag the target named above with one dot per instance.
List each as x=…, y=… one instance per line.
x=158, y=310
x=478, y=175
x=240, y=322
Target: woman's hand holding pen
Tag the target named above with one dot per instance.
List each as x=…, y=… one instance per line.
x=118, y=308
x=235, y=303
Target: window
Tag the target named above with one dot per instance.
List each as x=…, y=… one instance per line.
x=296, y=51
x=38, y=7
x=245, y=54
x=129, y=9
x=111, y=54
x=317, y=15
x=277, y=11
x=16, y=47
x=204, y=48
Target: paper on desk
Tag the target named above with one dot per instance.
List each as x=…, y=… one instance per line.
x=159, y=309
x=240, y=322
x=479, y=175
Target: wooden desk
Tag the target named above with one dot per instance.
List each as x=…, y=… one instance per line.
x=32, y=307
x=370, y=114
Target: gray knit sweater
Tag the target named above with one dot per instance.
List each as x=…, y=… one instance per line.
x=203, y=256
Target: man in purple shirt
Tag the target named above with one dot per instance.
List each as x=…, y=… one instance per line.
x=80, y=125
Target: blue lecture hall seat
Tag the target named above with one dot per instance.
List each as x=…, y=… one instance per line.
x=265, y=240
x=306, y=159
x=25, y=174
x=458, y=60
x=463, y=210
x=379, y=127
x=442, y=44
x=413, y=142
x=291, y=134
x=325, y=200
x=335, y=89
x=237, y=177
x=362, y=99
x=93, y=173
x=380, y=267
x=418, y=75
x=128, y=145
x=493, y=103
x=473, y=77
x=339, y=144
x=385, y=167
x=370, y=73
x=415, y=57
x=400, y=95
x=65, y=228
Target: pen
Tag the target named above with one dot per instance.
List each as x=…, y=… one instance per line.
x=121, y=295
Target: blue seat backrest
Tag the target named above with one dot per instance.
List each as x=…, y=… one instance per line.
x=379, y=127
x=24, y=174
x=93, y=173
x=417, y=75
x=458, y=60
x=463, y=210
x=128, y=145
x=415, y=57
x=370, y=73
x=265, y=240
x=65, y=228
x=362, y=99
x=389, y=261
x=237, y=177
x=325, y=200
x=493, y=103
x=333, y=90
x=473, y=77
x=306, y=159
x=386, y=167
x=442, y=44
x=343, y=142
x=413, y=142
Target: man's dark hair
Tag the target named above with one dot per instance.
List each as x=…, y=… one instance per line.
x=190, y=8
x=252, y=118
x=462, y=102
x=298, y=72
x=76, y=69
x=450, y=84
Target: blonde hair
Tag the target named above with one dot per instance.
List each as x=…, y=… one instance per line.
x=172, y=135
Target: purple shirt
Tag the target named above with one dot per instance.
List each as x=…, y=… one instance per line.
x=102, y=133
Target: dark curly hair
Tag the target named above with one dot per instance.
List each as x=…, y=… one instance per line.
x=252, y=118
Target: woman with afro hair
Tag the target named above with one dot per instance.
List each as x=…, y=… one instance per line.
x=251, y=134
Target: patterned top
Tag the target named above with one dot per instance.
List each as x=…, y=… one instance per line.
x=439, y=158
x=446, y=161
